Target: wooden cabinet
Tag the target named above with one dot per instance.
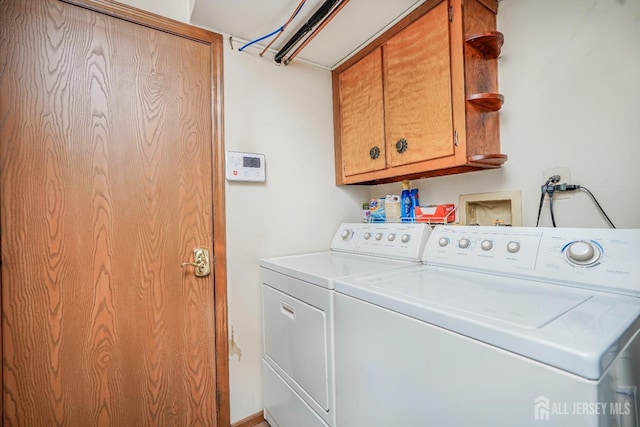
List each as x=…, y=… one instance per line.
x=421, y=100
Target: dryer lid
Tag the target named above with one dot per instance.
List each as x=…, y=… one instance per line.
x=322, y=268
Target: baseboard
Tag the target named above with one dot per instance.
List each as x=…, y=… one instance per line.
x=250, y=421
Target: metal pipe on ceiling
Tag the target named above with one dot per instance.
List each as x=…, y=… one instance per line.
x=284, y=27
x=323, y=11
x=333, y=13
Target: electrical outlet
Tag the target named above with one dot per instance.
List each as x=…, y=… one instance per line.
x=565, y=178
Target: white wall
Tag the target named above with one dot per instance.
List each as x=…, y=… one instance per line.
x=570, y=75
x=180, y=10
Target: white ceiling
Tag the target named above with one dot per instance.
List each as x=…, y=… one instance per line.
x=245, y=20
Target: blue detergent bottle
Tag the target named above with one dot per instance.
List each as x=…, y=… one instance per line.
x=405, y=203
x=415, y=202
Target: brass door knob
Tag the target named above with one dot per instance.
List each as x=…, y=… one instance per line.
x=201, y=264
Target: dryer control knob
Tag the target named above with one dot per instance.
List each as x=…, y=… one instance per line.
x=391, y=237
x=464, y=243
x=347, y=234
x=581, y=252
x=367, y=235
x=486, y=245
x=443, y=241
x=513, y=247
x=378, y=236
x=406, y=238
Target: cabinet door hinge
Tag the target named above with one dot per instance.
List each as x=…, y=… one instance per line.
x=450, y=13
x=455, y=138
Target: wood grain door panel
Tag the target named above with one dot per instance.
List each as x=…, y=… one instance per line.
x=362, y=115
x=106, y=172
x=418, y=97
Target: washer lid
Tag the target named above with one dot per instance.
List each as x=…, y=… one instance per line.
x=526, y=305
x=322, y=268
x=573, y=329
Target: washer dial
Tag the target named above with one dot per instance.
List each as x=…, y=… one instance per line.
x=513, y=247
x=347, y=234
x=582, y=252
x=486, y=245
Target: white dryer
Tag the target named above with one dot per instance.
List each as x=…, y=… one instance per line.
x=501, y=327
x=298, y=298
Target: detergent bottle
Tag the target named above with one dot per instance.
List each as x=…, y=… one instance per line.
x=415, y=202
x=405, y=202
x=392, y=208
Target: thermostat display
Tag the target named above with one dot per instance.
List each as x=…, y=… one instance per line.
x=245, y=166
x=251, y=162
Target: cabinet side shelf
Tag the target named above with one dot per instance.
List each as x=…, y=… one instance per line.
x=487, y=101
x=487, y=160
x=489, y=43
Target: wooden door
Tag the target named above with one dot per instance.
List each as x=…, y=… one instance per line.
x=108, y=183
x=418, y=107
x=362, y=116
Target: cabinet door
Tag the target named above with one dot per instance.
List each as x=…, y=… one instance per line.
x=418, y=97
x=362, y=116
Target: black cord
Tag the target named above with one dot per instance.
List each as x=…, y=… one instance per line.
x=597, y=204
x=548, y=188
x=553, y=218
x=540, y=207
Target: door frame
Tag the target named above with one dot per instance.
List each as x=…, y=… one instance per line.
x=214, y=41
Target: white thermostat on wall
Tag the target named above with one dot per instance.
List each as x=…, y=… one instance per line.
x=245, y=166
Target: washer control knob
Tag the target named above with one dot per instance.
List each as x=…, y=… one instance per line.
x=486, y=245
x=367, y=235
x=464, y=243
x=406, y=238
x=378, y=236
x=513, y=247
x=347, y=234
x=581, y=252
x=391, y=237
x=443, y=241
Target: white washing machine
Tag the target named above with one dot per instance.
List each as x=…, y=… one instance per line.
x=298, y=299
x=501, y=327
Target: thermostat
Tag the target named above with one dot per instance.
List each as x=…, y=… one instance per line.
x=245, y=166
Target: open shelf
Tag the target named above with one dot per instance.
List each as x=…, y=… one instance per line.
x=487, y=160
x=488, y=101
x=488, y=43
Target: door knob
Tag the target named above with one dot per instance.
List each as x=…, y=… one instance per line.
x=201, y=264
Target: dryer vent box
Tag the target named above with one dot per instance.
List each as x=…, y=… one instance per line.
x=499, y=208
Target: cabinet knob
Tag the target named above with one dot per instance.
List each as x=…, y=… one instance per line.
x=401, y=145
x=374, y=153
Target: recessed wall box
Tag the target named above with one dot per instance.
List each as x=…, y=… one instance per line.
x=498, y=208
